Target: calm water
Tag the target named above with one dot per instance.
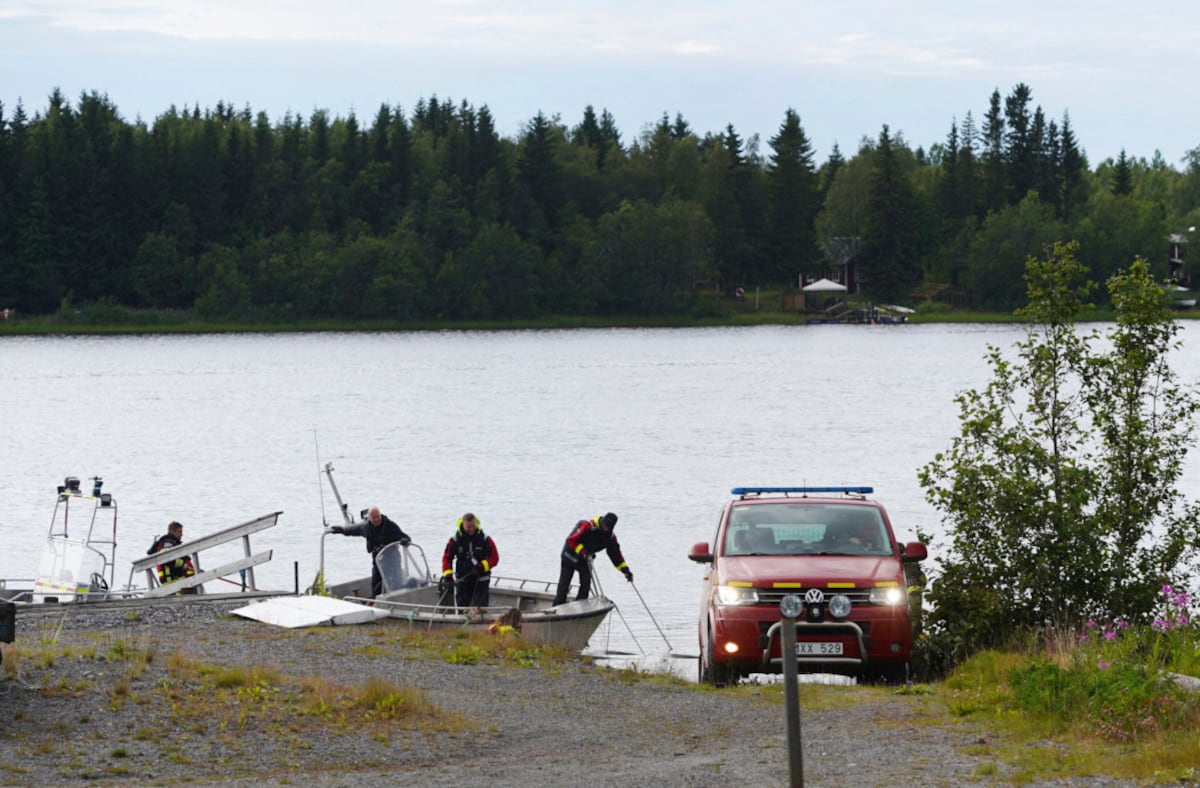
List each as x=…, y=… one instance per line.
x=529, y=430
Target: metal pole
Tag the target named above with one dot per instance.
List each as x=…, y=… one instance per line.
x=620, y=615
x=656, y=626
x=791, y=700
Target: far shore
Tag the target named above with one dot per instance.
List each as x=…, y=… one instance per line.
x=179, y=324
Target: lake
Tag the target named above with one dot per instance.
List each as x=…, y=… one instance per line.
x=530, y=430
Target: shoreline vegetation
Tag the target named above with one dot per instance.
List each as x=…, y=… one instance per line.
x=86, y=321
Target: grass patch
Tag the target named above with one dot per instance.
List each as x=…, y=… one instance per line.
x=457, y=647
x=1103, y=700
x=205, y=696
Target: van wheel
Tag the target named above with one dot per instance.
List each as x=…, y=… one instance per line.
x=710, y=672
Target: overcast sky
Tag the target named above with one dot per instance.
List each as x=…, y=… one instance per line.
x=1128, y=77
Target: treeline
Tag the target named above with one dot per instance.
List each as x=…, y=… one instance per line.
x=432, y=214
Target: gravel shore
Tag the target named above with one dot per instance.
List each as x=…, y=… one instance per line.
x=120, y=706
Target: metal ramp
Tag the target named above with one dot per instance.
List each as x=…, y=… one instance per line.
x=193, y=549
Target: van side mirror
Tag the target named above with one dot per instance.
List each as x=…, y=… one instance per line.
x=914, y=552
x=700, y=553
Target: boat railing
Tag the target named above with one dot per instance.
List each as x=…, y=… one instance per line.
x=16, y=589
x=518, y=584
x=402, y=608
x=78, y=566
x=537, y=591
x=244, y=566
x=402, y=566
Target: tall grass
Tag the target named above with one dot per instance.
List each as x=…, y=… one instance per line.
x=1125, y=696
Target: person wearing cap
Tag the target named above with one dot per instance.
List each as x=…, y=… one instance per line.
x=587, y=539
x=380, y=532
x=467, y=564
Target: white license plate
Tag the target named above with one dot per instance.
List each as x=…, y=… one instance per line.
x=818, y=649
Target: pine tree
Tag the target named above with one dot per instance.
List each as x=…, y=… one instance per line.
x=995, y=170
x=830, y=170
x=1020, y=143
x=967, y=170
x=793, y=201
x=891, y=248
x=1122, y=177
x=1071, y=173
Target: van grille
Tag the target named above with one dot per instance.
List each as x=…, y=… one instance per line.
x=773, y=596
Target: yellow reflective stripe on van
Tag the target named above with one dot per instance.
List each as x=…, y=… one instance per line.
x=787, y=585
x=886, y=583
x=741, y=584
x=839, y=585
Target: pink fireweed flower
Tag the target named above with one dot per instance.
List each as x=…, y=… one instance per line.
x=1109, y=634
x=1103, y=665
x=1091, y=624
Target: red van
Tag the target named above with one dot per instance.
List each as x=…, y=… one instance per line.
x=833, y=547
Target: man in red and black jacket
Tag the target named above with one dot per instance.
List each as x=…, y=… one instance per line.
x=467, y=563
x=588, y=539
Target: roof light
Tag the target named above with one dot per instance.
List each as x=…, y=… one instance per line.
x=803, y=490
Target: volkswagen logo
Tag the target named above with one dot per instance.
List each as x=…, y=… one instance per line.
x=813, y=596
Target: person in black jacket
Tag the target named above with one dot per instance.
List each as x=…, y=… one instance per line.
x=467, y=564
x=180, y=567
x=380, y=532
x=587, y=539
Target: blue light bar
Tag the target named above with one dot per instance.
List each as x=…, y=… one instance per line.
x=803, y=490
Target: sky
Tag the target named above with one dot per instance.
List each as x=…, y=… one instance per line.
x=1127, y=78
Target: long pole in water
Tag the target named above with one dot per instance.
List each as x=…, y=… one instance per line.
x=656, y=626
x=620, y=615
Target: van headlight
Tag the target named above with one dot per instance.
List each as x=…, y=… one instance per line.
x=888, y=595
x=734, y=595
x=839, y=606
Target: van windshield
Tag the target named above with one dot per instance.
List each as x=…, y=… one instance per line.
x=799, y=528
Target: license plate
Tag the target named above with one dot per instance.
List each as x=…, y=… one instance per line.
x=818, y=649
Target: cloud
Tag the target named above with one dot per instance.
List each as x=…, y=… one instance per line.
x=695, y=48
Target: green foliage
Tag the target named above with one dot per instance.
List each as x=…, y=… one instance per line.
x=1070, y=456
x=436, y=217
x=1115, y=680
x=465, y=654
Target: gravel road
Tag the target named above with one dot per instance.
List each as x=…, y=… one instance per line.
x=86, y=716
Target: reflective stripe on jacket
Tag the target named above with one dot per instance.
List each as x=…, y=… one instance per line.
x=468, y=551
x=588, y=539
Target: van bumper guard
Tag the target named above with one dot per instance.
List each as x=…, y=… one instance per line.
x=807, y=629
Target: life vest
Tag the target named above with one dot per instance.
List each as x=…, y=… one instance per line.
x=468, y=551
x=175, y=570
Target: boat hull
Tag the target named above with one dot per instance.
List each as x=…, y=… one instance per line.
x=568, y=626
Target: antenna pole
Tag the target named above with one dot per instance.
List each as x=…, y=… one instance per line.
x=320, y=487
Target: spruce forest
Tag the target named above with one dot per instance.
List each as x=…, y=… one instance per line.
x=432, y=215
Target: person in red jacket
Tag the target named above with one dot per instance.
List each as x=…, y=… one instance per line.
x=587, y=539
x=467, y=564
